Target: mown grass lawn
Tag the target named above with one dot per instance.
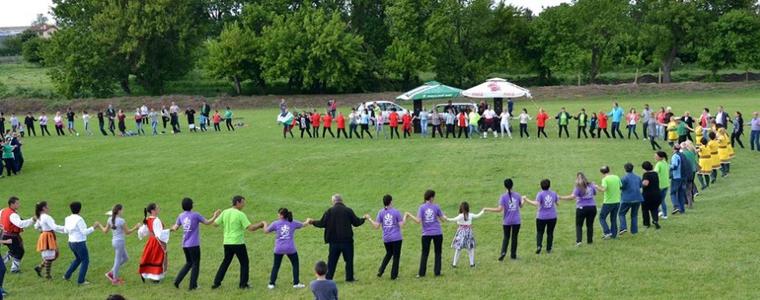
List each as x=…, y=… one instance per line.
x=709, y=253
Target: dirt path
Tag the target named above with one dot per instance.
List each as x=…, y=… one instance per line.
x=319, y=101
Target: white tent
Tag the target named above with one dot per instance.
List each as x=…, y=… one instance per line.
x=497, y=88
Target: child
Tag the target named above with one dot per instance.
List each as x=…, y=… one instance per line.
x=524, y=118
x=228, y=119
x=341, y=121
x=315, y=119
x=391, y=222
x=541, y=118
x=285, y=229
x=504, y=124
x=705, y=163
x=714, y=156
x=191, y=241
x=322, y=288
x=464, y=238
x=393, y=123
x=406, y=123
x=327, y=127
x=139, y=122
x=672, y=133
x=117, y=226
x=153, y=262
x=46, y=244
x=509, y=204
x=546, y=217
x=86, y=121
x=216, y=119
x=593, y=124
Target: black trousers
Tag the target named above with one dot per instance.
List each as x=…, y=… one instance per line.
x=394, y=129
x=31, y=129
x=315, y=129
x=278, y=262
x=365, y=128
x=466, y=132
x=10, y=166
x=352, y=131
x=511, y=233
x=583, y=129
x=327, y=129
x=44, y=130
x=192, y=264
x=649, y=210
x=102, y=128
x=242, y=255
x=540, y=131
x=585, y=214
x=653, y=142
x=228, y=122
x=112, y=126
x=736, y=137
x=599, y=132
x=343, y=130
x=16, y=247
x=563, y=127
x=174, y=122
x=216, y=128
x=450, y=129
x=59, y=130
x=437, y=127
x=548, y=227
x=524, y=128
x=165, y=120
x=438, y=249
x=392, y=250
x=644, y=128
x=347, y=250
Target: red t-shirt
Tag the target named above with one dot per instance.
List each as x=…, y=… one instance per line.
x=602, y=121
x=315, y=120
x=407, y=120
x=541, y=119
x=462, y=120
x=341, y=122
x=217, y=118
x=393, y=119
x=328, y=121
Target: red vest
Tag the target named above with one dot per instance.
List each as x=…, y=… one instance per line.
x=5, y=218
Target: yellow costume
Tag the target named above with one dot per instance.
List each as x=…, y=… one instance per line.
x=714, y=158
x=672, y=134
x=723, y=149
x=698, y=132
x=705, y=160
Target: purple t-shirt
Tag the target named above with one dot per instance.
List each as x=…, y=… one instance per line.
x=585, y=198
x=511, y=208
x=189, y=221
x=284, y=232
x=389, y=219
x=547, y=205
x=428, y=215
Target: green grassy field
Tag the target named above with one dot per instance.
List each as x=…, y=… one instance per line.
x=708, y=253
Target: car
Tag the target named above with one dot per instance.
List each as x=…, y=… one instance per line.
x=385, y=106
x=460, y=106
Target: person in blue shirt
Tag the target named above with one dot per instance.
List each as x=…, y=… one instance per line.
x=631, y=199
x=677, y=187
x=616, y=114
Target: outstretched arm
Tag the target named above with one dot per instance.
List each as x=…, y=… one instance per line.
x=257, y=226
x=411, y=216
x=494, y=209
x=213, y=217
x=531, y=202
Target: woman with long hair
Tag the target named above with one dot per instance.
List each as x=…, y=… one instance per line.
x=285, y=229
x=585, y=208
x=47, y=243
x=509, y=204
x=153, y=262
x=119, y=229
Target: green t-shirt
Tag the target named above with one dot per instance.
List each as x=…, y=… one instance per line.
x=562, y=119
x=234, y=223
x=692, y=157
x=681, y=129
x=663, y=172
x=7, y=151
x=228, y=114
x=612, y=185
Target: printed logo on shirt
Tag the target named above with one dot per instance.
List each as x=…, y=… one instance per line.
x=388, y=220
x=548, y=201
x=186, y=224
x=512, y=205
x=429, y=215
x=284, y=232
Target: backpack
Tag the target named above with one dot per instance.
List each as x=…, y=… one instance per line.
x=687, y=170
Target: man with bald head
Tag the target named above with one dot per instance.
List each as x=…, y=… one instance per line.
x=338, y=221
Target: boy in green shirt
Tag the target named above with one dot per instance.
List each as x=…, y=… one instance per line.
x=234, y=223
x=663, y=173
x=228, y=119
x=611, y=186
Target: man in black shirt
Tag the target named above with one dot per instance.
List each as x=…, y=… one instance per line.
x=190, y=113
x=689, y=123
x=70, y=114
x=101, y=123
x=205, y=111
x=337, y=222
x=29, y=122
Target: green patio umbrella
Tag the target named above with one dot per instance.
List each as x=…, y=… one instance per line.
x=431, y=90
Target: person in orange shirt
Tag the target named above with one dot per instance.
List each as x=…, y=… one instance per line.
x=315, y=118
x=602, y=125
x=217, y=118
x=327, y=126
x=341, y=125
x=462, y=124
x=406, y=121
x=393, y=123
x=541, y=122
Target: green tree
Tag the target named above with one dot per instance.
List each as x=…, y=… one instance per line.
x=79, y=67
x=555, y=36
x=602, y=27
x=233, y=56
x=408, y=52
x=32, y=50
x=735, y=42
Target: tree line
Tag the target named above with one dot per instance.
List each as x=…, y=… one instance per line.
x=367, y=45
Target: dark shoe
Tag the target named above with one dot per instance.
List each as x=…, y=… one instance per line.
x=501, y=257
x=245, y=287
x=38, y=270
x=215, y=286
x=538, y=250
x=176, y=284
x=622, y=231
x=675, y=212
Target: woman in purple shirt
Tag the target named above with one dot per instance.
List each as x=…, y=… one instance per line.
x=585, y=207
x=191, y=242
x=431, y=216
x=510, y=204
x=391, y=221
x=546, y=217
x=285, y=229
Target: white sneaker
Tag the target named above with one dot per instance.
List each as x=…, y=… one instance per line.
x=270, y=286
x=664, y=217
x=659, y=214
x=299, y=286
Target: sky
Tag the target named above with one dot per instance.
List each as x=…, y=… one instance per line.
x=23, y=12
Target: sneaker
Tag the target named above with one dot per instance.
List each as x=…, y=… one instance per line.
x=664, y=217
x=454, y=266
x=657, y=226
x=675, y=212
x=538, y=250
x=578, y=244
x=270, y=286
x=109, y=275
x=607, y=236
x=622, y=231
x=84, y=283
x=501, y=257
x=472, y=266
x=659, y=214
x=38, y=270
x=299, y=286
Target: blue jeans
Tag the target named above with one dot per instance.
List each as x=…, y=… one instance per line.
x=664, y=206
x=424, y=127
x=678, y=194
x=473, y=129
x=612, y=211
x=154, y=125
x=81, y=257
x=634, y=207
x=754, y=140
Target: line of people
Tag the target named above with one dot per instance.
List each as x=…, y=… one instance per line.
x=11, y=154
x=115, y=121
x=622, y=199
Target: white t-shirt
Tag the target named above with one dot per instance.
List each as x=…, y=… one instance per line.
x=505, y=117
x=461, y=221
x=524, y=118
x=489, y=114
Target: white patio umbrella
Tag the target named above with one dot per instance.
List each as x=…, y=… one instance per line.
x=497, y=88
